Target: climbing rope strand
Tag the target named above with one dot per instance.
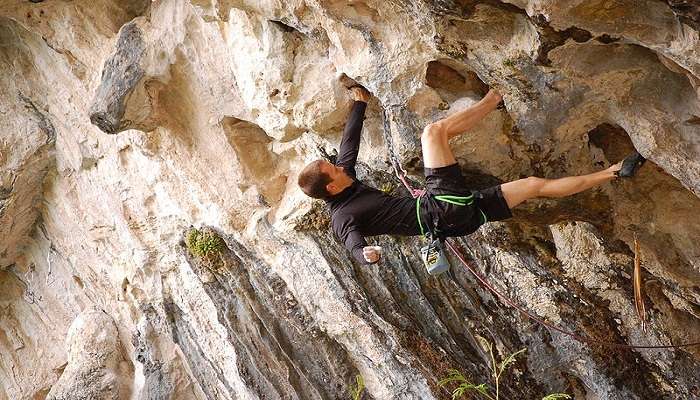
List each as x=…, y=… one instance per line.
x=401, y=174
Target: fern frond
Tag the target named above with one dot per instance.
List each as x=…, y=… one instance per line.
x=465, y=387
x=509, y=360
x=453, y=375
x=484, y=343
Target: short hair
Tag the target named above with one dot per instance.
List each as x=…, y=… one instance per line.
x=313, y=181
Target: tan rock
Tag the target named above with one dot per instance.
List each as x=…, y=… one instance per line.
x=96, y=369
x=125, y=123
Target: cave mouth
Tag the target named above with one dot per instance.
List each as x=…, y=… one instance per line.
x=613, y=140
x=655, y=206
x=453, y=81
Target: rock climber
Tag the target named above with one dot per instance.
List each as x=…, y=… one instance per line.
x=448, y=208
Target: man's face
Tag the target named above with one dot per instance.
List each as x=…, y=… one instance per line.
x=339, y=179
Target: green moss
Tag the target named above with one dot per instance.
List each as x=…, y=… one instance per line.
x=204, y=243
x=317, y=219
x=508, y=63
x=388, y=188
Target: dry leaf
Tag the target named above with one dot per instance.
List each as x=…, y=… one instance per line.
x=637, y=286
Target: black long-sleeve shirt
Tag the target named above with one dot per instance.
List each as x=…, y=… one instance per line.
x=360, y=210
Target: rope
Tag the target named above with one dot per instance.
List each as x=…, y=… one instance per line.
x=401, y=174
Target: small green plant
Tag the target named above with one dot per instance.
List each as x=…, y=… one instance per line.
x=204, y=243
x=388, y=188
x=508, y=63
x=464, y=386
x=358, y=388
x=556, y=396
x=499, y=368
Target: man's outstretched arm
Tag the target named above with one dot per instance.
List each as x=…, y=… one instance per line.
x=348, y=233
x=350, y=144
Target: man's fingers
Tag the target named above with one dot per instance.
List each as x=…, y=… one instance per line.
x=370, y=253
x=360, y=93
x=371, y=257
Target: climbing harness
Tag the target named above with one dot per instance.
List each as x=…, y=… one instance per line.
x=418, y=193
x=433, y=253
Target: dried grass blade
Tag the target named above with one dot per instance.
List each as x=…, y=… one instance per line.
x=637, y=285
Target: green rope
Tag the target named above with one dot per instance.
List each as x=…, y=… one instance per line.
x=422, y=232
x=482, y=216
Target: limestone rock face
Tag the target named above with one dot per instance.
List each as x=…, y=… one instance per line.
x=154, y=244
x=94, y=361
x=28, y=139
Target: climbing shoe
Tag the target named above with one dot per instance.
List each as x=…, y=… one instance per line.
x=630, y=165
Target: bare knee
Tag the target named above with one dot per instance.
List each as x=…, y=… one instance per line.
x=521, y=190
x=433, y=132
x=533, y=186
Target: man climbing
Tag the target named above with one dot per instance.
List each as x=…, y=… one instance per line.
x=448, y=208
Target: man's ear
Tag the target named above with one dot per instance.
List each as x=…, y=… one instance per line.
x=331, y=188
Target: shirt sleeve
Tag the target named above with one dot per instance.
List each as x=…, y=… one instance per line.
x=351, y=237
x=350, y=144
x=355, y=242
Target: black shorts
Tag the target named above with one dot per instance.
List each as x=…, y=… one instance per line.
x=486, y=205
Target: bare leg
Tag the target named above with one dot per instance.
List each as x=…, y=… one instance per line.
x=435, y=137
x=518, y=191
x=466, y=119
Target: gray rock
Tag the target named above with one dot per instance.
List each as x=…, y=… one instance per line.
x=122, y=72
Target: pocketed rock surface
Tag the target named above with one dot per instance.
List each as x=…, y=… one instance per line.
x=124, y=124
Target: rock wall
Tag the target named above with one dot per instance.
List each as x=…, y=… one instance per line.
x=126, y=123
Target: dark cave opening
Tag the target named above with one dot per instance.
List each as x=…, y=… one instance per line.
x=451, y=81
x=612, y=140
